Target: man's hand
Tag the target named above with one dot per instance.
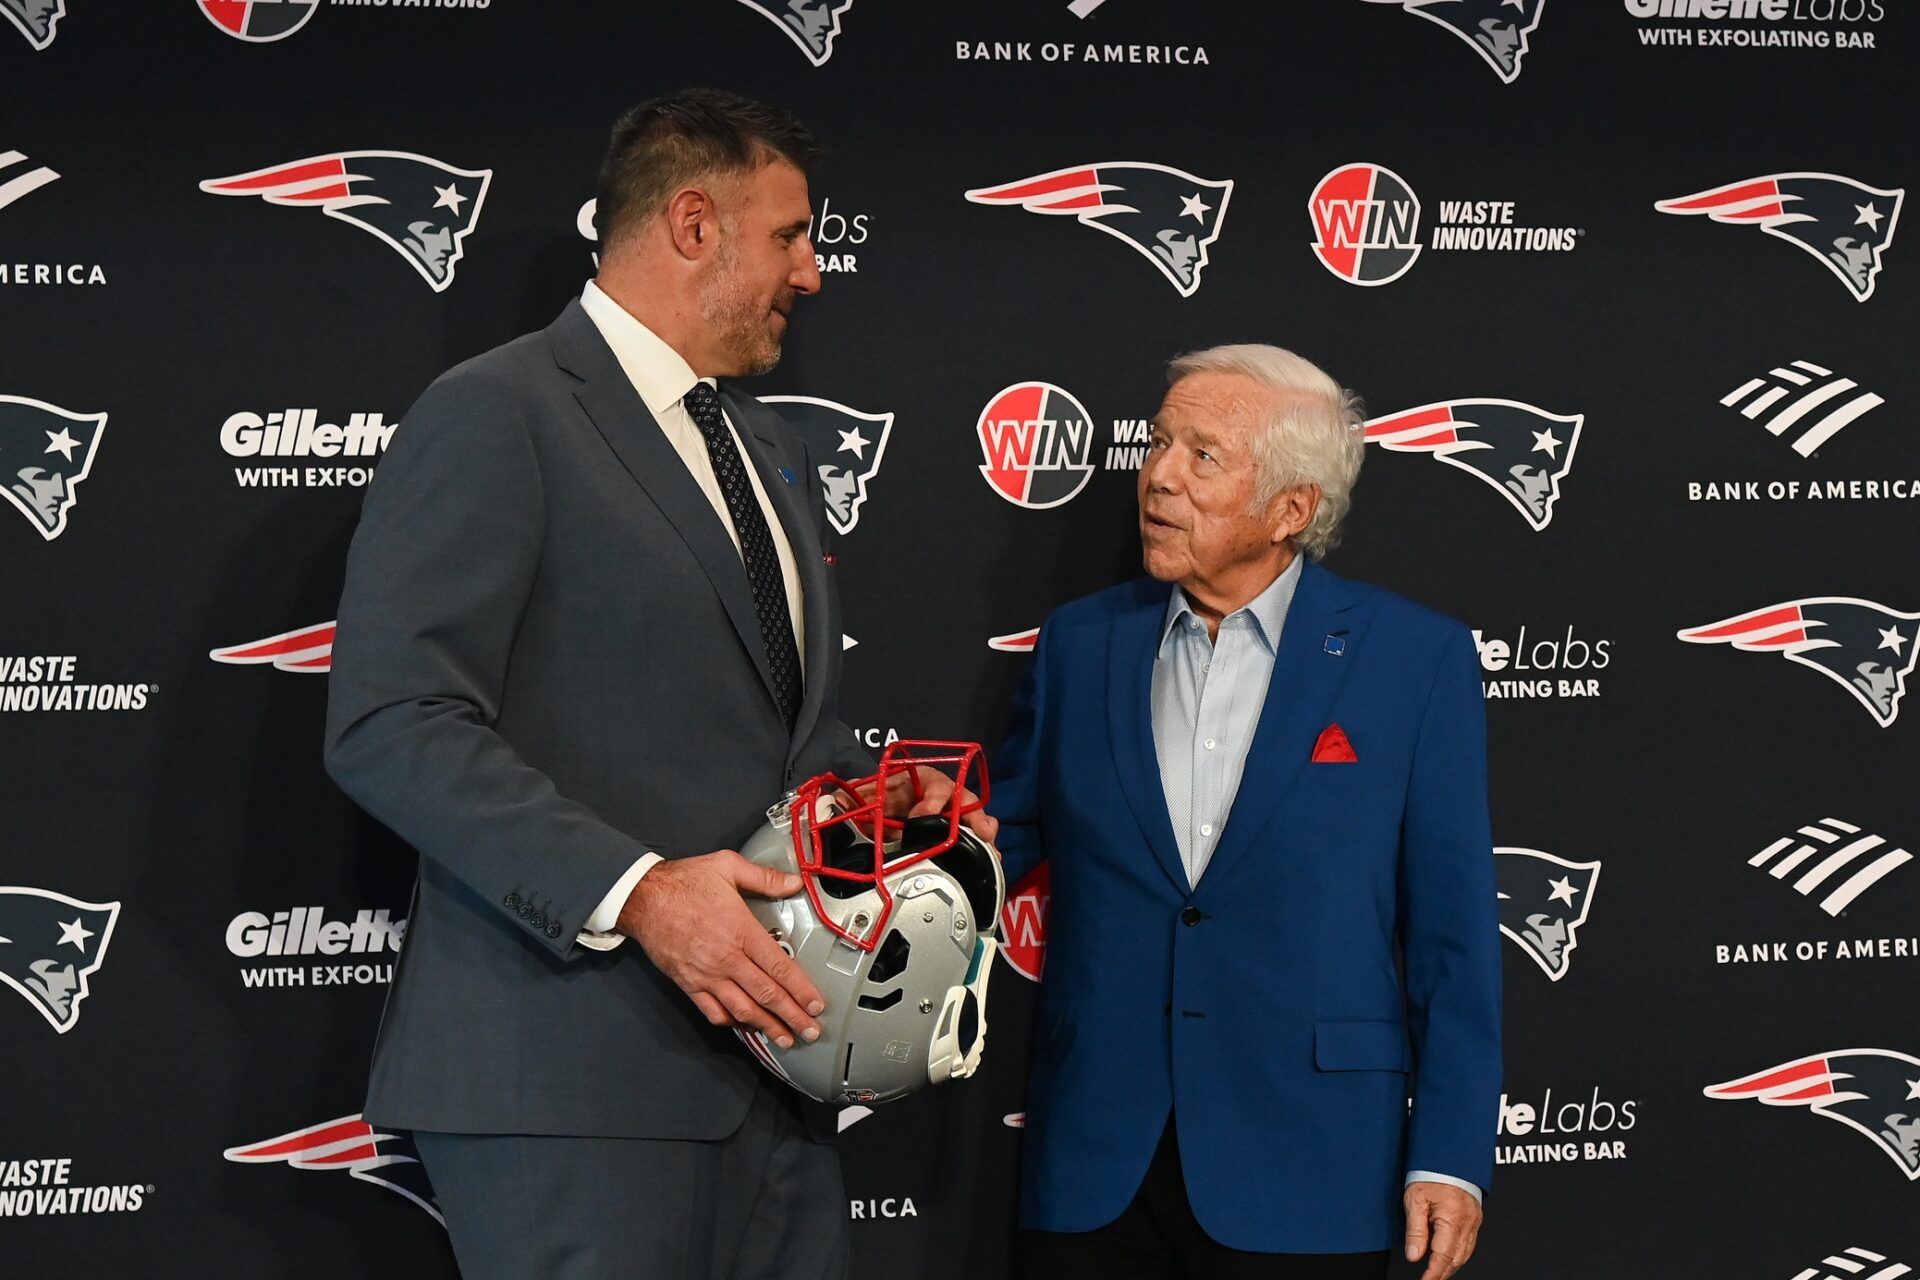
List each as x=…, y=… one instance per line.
x=689, y=917
x=935, y=790
x=1450, y=1217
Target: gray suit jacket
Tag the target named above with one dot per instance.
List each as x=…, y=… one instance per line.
x=547, y=664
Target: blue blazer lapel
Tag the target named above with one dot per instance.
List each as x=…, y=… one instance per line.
x=1131, y=647
x=635, y=436
x=1306, y=680
x=760, y=432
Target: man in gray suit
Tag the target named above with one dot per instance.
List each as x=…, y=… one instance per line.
x=588, y=635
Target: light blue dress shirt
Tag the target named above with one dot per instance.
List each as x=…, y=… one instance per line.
x=1207, y=698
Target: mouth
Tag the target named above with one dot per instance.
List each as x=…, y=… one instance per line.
x=1154, y=523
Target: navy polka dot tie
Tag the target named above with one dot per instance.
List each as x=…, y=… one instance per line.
x=756, y=548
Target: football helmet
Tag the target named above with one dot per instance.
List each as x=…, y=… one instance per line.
x=894, y=925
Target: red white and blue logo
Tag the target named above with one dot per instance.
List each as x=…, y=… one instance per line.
x=45, y=452
x=49, y=945
x=1519, y=449
x=1875, y=1092
x=810, y=24
x=420, y=208
x=1866, y=648
x=846, y=446
x=352, y=1146
x=35, y=18
x=308, y=651
x=1497, y=30
x=1845, y=224
x=1166, y=215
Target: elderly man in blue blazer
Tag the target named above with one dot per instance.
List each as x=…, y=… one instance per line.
x=1269, y=1033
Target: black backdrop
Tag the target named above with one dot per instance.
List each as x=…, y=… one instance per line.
x=194, y=808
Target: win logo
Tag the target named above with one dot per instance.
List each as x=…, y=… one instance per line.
x=1810, y=392
x=1838, y=846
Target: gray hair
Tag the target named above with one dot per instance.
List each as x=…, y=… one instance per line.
x=1316, y=437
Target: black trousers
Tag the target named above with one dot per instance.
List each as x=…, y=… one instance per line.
x=1157, y=1238
x=764, y=1203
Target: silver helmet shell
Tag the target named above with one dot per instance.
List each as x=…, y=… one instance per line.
x=898, y=939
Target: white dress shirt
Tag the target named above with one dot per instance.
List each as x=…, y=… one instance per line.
x=1207, y=699
x=663, y=378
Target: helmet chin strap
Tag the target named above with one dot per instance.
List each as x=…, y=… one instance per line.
x=946, y=1060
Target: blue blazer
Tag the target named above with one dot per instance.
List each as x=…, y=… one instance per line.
x=1322, y=1012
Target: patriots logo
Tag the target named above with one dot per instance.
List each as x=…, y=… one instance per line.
x=1166, y=215
x=1543, y=902
x=35, y=18
x=1845, y=224
x=307, y=650
x=1015, y=641
x=1873, y=1091
x=1519, y=449
x=843, y=436
x=49, y=944
x=1865, y=647
x=45, y=451
x=811, y=24
x=1497, y=29
x=259, y=21
x=384, y=1159
x=422, y=209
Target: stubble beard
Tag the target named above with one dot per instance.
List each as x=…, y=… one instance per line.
x=728, y=308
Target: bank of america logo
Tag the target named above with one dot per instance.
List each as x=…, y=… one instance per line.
x=1854, y=1264
x=1818, y=404
x=16, y=181
x=1834, y=849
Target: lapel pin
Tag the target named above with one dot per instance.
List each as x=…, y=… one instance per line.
x=829, y=559
x=786, y=473
x=1335, y=645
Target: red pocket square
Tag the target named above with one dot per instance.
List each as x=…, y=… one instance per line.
x=1333, y=747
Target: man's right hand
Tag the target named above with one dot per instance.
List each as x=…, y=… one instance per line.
x=689, y=917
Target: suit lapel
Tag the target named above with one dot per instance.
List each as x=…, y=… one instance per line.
x=636, y=438
x=1131, y=647
x=768, y=452
x=1306, y=680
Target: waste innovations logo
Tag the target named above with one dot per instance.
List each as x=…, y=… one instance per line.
x=1812, y=25
x=20, y=177
x=1038, y=442
x=308, y=651
x=1844, y=223
x=847, y=447
x=299, y=433
x=1874, y=1092
x=1023, y=923
x=1521, y=450
x=352, y=1146
x=1549, y=663
x=265, y=21
x=835, y=234
x=1497, y=30
x=1571, y=1127
x=43, y=1187
x=1543, y=902
x=1866, y=648
x=1166, y=215
x=1366, y=226
x=50, y=682
x=35, y=19
x=420, y=208
x=49, y=945
x=286, y=942
x=45, y=452
x=1834, y=865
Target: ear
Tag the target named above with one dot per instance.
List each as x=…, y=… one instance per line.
x=693, y=223
x=1292, y=511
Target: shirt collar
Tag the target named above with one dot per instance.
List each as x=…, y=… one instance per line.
x=1268, y=610
x=658, y=372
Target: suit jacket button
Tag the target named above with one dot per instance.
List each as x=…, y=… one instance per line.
x=1191, y=916
x=511, y=901
x=553, y=931
x=526, y=909
x=538, y=920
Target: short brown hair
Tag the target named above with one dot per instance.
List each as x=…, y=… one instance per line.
x=665, y=143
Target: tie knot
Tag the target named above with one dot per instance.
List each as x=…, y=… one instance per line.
x=703, y=406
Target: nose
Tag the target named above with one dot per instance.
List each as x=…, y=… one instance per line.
x=805, y=276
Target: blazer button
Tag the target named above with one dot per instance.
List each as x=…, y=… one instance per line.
x=553, y=931
x=1191, y=916
x=538, y=920
x=526, y=909
x=511, y=901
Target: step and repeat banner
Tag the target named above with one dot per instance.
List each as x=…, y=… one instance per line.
x=1622, y=282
